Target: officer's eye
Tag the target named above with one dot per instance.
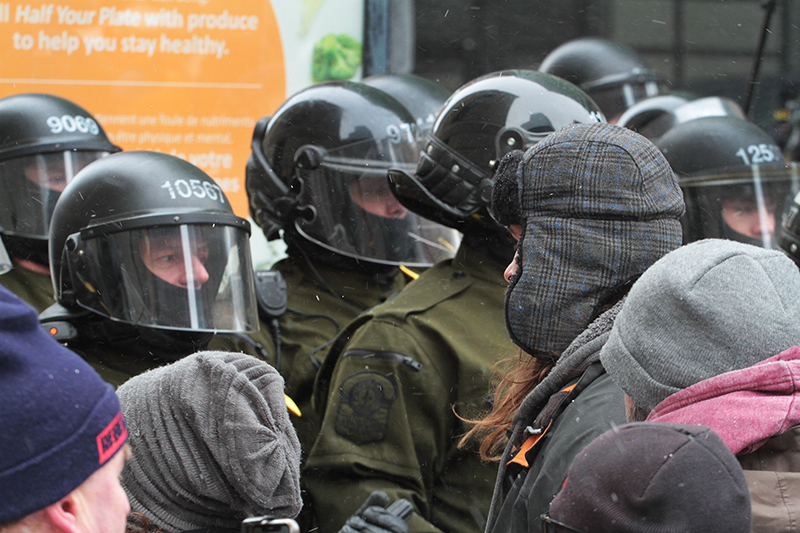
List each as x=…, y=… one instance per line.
x=166, y=259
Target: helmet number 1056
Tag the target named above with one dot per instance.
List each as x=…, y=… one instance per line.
x=200, y=189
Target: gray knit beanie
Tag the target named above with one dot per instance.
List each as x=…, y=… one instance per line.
x=710, y=307
x=655, y=478
x=598, y=204
x=212, y=443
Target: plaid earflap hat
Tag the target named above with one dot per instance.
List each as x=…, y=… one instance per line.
x=598, y=205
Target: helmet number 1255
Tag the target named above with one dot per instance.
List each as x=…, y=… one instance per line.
x=762, y=153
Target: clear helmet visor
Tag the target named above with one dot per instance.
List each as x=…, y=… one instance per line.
x=32, y=185
x=5, y=261
x=355, y=213
x=189, y=277
x=746, y=206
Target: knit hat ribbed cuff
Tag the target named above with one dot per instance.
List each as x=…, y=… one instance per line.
x=635, y=380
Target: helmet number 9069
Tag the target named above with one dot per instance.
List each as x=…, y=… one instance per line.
x=198, y=188
x=70, y=124
x=761, y=153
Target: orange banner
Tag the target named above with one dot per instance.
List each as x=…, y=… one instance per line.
x=185, y=77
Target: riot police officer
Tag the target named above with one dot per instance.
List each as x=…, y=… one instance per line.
x=44, y=141
x=317, y=177
x=735, y=181
x=148, y=261
x=393, y=376
x=612, y=74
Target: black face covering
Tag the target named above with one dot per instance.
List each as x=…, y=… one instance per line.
x=27, y=249
x=297, y=246
x=494, y=243
x=140, y=342
x=173, y=301
x=173, y=345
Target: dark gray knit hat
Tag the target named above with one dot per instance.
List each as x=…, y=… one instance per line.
x=212, y=443
x=710, y=307
x=599, y=204
x=653, y=478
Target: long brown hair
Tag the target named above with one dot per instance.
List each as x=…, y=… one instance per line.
x=523, y=373
x=139, y=523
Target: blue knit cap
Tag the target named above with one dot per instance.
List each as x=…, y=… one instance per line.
x=59, y=422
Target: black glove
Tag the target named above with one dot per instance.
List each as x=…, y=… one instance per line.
x=372, y=517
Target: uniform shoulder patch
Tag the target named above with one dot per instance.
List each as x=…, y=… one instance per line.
x=365, y=399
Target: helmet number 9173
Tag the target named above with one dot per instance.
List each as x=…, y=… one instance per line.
x=761, y=153
x=198, y=188
x=70, y=124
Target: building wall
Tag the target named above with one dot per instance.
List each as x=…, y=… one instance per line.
x=705, y=47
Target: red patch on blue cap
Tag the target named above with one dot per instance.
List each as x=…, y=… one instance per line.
x=111, y=438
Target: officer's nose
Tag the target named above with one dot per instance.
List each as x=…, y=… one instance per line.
x=199, y=274
x=394, y=209
x=767, y=224
x=757, y=225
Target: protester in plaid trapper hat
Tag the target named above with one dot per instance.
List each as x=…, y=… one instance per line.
x=592, y=206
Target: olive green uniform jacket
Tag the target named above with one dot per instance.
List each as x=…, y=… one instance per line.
x=392, y=380
x=31, y=287
x=313, y=318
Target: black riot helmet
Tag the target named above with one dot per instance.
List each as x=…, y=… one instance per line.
x=318, y=171
x=640, y=116
x=44, y=141
x=611, y=73
x=735, y=181
x=422, y=97
x=148, y=240
x=481, y=122
x=660, y=123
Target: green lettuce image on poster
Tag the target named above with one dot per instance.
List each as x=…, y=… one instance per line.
x=336, y=57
